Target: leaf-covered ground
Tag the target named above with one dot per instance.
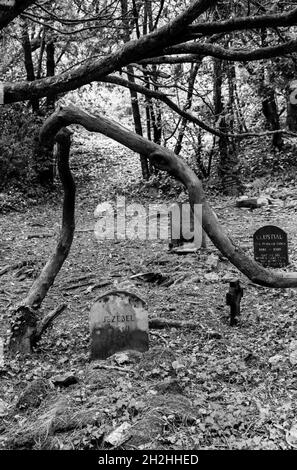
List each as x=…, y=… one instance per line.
x=214, y=387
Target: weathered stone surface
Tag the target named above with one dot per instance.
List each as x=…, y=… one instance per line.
x=118, y=322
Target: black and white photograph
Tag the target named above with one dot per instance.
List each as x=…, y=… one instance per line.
x=148, y=232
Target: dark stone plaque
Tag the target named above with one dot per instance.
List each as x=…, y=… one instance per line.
x=271, y=247
x=230, y=184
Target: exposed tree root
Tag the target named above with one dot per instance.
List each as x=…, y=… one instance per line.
x=47, y=320
x=9, y=267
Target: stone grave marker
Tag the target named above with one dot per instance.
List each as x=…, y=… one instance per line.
x=271, y=247
x=230, y=182
x=118, y=322
x=183, y=228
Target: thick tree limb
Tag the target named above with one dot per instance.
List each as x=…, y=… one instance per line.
x=244, y=23
x=186, y=114
x=153, y=45
x=167, y=160
x=47, y=276
x=171, y=59
x=241, y=55
x=133, y=51
x=14, y=58
x=162, y=97
x=25, y=324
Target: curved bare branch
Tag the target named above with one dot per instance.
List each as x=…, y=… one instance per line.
x=240, y=55
x=146, y=46
x=167, y=160
x=244, y=23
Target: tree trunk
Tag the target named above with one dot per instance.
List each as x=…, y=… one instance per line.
x=183, y=125
x=229, y=170
x=29, y=62
x=42, y=164
x=292, y=106
x=26, y=327
x=269, y=104
x=50, y=72
x=133, y=94
x=137, y=121
x=270, y=111
x=155, y=111
x=41, y=52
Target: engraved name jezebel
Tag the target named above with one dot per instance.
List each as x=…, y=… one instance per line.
x=118, y=318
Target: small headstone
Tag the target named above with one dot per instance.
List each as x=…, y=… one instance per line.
x=230, y=184
x=184, y=230
x=118, y=322
x=271, y=247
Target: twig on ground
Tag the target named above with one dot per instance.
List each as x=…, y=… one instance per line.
x=81, y=278
x=11, y=267
x=40, y=235
x=104, y=366
x=158, y=335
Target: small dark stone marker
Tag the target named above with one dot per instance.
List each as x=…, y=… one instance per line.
x=231, y=182
x=271, y=247
x=233, y=298
x=118, y=322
